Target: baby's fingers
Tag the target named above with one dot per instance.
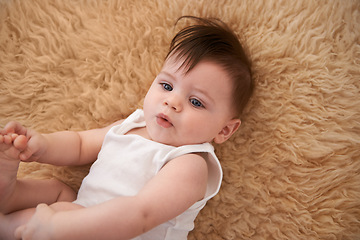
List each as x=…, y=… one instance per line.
x=26, y=155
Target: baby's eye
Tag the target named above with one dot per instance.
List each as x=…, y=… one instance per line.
x=167, y=87
x=196, y=103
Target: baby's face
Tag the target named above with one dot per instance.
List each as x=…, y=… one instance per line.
x=189, y=108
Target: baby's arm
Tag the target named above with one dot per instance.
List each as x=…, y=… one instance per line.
x=179, y=184
x=59, y=148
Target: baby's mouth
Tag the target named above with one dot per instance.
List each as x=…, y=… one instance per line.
x=163, y=121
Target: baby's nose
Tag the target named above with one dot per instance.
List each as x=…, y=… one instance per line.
x=174, y=102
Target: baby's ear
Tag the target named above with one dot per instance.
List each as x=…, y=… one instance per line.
x=228, y=130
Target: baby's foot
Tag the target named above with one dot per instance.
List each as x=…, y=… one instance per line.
x=10, y=147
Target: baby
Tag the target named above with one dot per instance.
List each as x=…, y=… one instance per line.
x=152, y=172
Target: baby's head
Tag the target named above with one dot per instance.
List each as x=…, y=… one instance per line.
x=202, y=88
x=212, y=40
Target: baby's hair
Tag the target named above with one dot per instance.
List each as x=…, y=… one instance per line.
x=213, y=40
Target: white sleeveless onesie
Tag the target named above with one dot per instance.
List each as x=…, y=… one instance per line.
x=127, y=162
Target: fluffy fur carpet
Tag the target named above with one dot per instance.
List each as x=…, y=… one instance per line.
x=293, y=169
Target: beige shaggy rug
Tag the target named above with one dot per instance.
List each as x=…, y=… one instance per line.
x=293, y=169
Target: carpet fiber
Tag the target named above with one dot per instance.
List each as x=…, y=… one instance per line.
x=292, y=171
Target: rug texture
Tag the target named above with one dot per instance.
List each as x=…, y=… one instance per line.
x=292, y=171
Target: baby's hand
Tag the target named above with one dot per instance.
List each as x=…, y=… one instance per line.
x=29, y=144
x=38, y=226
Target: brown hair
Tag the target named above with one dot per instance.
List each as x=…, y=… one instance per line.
x=212, y=39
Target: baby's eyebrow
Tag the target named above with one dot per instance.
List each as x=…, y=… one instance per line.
x=206, y=94
x=168, y=75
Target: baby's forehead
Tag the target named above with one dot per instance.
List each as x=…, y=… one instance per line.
x=185, y=64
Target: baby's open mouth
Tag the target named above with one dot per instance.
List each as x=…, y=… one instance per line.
x=163, y=121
